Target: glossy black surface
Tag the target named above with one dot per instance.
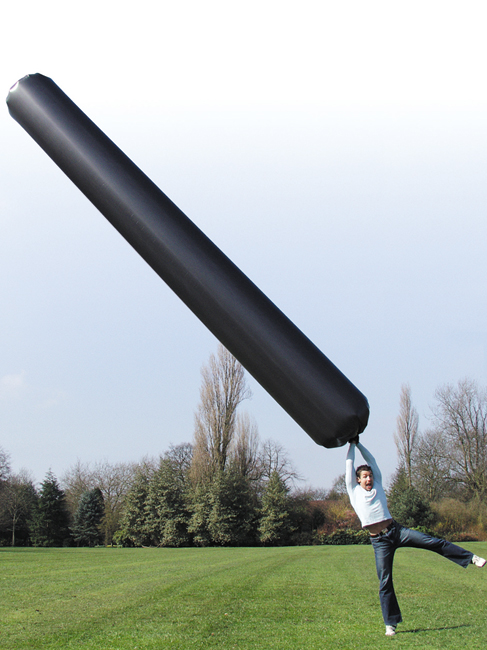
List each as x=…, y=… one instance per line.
x=278, y=355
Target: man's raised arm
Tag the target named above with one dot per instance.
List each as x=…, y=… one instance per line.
x=349, y=469
x=370, y=460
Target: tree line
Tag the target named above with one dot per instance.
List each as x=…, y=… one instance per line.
x=441, y=479
x=228, y=488
x=224, y=488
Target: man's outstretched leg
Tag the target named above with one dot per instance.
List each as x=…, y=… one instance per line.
x=384, y=549
x=457, y=554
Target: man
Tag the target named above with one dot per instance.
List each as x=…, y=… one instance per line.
x=367, y=496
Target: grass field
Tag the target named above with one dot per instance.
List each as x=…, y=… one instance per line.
x=295, y=598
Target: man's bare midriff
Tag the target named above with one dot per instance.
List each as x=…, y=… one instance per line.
x=374, y=529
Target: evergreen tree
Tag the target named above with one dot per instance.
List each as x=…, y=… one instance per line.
x=200, y=507
x=232, y=515
x=167, y=515
x=134, y=529
x=50, y=522
x=275, y=525
x=406, y=504
x=224, y=511
x=155, y=512
x=87, y=519
x=398, y=483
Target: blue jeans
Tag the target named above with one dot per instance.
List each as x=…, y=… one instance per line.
x=385, y=546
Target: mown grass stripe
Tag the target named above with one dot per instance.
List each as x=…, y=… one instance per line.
x=270, y=598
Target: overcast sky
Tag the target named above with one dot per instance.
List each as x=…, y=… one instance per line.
x=335, y=151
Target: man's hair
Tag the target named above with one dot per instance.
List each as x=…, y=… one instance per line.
x=363, y=468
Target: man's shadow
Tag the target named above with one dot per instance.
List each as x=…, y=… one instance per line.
x=432, y=629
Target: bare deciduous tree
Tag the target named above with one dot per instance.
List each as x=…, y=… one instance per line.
x=74, y=482
x=4, y=465
x=461, y=418
x=181, y=456
x=274, y=458
x=223, y=388
x=406, y=432
x=17, y=500
x=432, y=466
x=245, y=448
x=338, y=488
x=113, y=481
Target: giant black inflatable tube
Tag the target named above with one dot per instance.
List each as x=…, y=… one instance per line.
x=278, y=355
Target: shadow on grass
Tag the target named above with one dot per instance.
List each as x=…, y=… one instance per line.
x=432, y=629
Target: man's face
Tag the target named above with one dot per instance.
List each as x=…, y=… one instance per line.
x=366, y=480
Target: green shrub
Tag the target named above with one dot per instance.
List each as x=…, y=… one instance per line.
x=303, y=539
x=408, y=507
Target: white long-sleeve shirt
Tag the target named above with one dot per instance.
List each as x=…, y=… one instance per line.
x=370, y=506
